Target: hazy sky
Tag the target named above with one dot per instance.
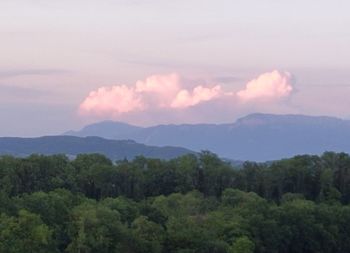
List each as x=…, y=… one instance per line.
x=67, y=63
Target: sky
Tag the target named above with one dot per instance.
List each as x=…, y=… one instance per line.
x=65, y=64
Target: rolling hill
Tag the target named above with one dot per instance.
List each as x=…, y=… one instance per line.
x=71, y=145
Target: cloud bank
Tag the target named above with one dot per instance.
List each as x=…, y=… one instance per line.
x=170, y=94
x=156, y=92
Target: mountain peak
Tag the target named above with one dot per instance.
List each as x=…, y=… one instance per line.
x=107, y=129
x=108, y=125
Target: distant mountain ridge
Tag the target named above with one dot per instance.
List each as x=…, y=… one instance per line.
x=108, y=127
x=258, y=137
x=72, y=146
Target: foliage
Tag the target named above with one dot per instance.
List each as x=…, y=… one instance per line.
x=192, y=203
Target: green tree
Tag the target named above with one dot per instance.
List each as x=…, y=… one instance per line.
x=25, y=233
x=242, y=245
x=149, y=236
x=96, y=228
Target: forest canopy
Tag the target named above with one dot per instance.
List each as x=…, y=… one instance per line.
x=188, y=204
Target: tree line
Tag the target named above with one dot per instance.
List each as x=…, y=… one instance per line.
x=194, y=203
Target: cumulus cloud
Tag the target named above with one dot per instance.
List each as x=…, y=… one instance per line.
x=159, y=90
x=268, y=86
x=112, y=100
x=185, y=98
x=169, y=94
x=155, y=92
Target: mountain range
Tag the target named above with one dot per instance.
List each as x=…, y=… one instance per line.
x=257, y=137
x=72, y=146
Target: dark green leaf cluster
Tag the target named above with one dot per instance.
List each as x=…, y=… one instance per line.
x=197, y=204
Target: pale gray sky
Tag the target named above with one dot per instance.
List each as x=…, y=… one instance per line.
x=53, y=53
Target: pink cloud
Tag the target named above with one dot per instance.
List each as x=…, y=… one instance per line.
x=268, y=86
x=159, y=90
x=200, y=94
x=116, y=100
x=167, y=96
x=155, y=92
x=162, y=84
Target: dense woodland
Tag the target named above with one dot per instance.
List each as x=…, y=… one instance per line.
x=189, y=204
